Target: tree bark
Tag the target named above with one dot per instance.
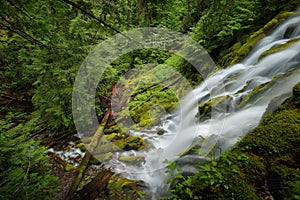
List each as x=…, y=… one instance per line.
x=92, y=189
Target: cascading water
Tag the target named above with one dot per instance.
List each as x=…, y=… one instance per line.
x=231, y=121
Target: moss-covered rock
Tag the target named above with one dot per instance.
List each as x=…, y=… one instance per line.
x=86, y=140
x=131, y=143
x=218, y=103
x=161, y=131
x=81, y=146
x=258, y=90
x=112, y=129
x=279, y=47
x=196, y=145
x=102, y=157
x=123, y=188
x=132, y=159
x=113, y=136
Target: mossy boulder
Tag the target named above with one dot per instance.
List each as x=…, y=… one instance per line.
x=128, y=143
x=81, y=146
x=215, y=104
x=258, y=90
x=131, y=143
x=86, y=140
x=113, y=129
x=196, y=145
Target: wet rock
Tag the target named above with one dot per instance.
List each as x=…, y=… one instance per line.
x=132, y=159
x=161, y=131
x=102, y=157
x=190, y=160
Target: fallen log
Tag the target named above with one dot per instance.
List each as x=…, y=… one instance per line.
x=86, y=159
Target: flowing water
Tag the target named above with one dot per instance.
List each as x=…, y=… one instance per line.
x=229, y=121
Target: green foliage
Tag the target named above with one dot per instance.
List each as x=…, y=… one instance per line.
x=43, y=44
x=228, y=21
x=216, y=180
x=24, y=169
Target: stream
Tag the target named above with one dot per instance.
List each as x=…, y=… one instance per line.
x=229, y=121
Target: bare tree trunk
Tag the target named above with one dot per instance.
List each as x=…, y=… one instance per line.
x=128, y=14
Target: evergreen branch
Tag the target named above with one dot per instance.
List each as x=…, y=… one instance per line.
x=17, y=8
x=26, y=174
x=84, y=11
x=11, y=97
x=22, y=33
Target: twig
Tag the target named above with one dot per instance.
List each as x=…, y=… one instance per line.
x=26, y=174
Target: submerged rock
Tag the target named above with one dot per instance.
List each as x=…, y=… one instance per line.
x=161, y=131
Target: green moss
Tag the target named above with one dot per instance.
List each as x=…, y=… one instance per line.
x=296, y=95
x=112, y=136
x=279, y=47
x=256, y=91
x=69, y=167
x=123, y=188
x=131, y=143
x=259, y=90
x=145, y=122
x=193, y=147
x=205, y=109
x=112, y=129
x=81, y=146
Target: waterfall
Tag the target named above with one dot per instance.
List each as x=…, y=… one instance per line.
x=279, y=72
